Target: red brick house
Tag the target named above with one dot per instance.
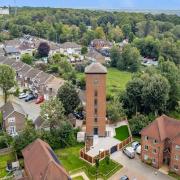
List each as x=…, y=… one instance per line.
x=160, y=142
x=41, y=163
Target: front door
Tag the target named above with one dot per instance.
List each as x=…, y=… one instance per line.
x=96, y=131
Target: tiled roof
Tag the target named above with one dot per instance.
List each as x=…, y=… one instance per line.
x=32, y=73
x=95, y=68
x=10, y=107
x=67, y=45
x=163, y=127
x=42, y=77
x=42, y=163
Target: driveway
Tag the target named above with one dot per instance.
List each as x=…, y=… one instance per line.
x=134, y=168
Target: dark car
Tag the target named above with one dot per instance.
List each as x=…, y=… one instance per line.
x=30, y=97
x=78, y=115
x=124, y=178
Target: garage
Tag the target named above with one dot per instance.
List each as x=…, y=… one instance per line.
x=113, y=149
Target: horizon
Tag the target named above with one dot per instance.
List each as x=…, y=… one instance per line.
x=98, y=4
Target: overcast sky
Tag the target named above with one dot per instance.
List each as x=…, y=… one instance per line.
x=99, y=4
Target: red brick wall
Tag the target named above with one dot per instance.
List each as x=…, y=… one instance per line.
x=173, y=160
x=101, y=105
x=158, y=156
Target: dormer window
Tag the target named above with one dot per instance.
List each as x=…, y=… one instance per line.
x=154, y=141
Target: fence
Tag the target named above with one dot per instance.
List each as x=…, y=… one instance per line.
x=6, y=151
x=103, y=154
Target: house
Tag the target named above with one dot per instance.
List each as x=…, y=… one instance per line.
x=100, y=43
x=4, y=11
x=69, y=48
x=41, y=163
x=14, y=118
x=160, y=143
x=94, y=56
x=12, y=52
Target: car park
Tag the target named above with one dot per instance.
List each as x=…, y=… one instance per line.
x=22, y=95
x=129, y=152
x=124, y=178
x=135, y=145
x=40, y=99
x=30, y=97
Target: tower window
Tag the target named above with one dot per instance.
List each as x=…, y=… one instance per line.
x=95, y=93
x=96, y=131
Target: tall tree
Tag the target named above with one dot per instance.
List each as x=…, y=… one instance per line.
x=68, y=95
x=7, y=80
x=43, y=49
x=52, y=113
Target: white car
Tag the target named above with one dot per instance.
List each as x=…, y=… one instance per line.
x=22, y=95
x=138, y=150
x=135, y=145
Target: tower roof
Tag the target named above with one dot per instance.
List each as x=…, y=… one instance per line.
x=95, y=68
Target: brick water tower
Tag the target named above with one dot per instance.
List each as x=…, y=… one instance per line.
x=95, y=102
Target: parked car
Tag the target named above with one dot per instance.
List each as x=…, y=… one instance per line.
x=129, y=152
x=30, y=97
x=124, y=178
x=135, y=144
x=40, y=99
x=22, y=95
x=138, y=150
x=78, y=115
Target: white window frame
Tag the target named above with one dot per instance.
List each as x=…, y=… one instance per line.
x=153, y=161
x=176, y=157
x=145, y=147
x=155, y=141
x=176, y=169
x=177, y=147
x=146, y=138
x=146, y=157
x=155, y=150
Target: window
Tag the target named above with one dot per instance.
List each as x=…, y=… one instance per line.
x=154, y=151
x=95, y=119
x=95, y=111
x=95, y=93
x=176, y=168
x=146, y=138
x=177, y=147
x=146, y=157
x=11, y=121
x=146, y=147
x=154, y=141
x=95, y=102
x=12, y=130
x=176, y=157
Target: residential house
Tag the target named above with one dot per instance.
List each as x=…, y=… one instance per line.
x=100, y=43
x=69, y=48
x=12, y=52
x=160, y=143
x=94, y=56
x=41, y=163
x=4, y=11
x=14, y=118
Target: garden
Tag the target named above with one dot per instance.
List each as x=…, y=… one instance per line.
x=122, y=133
x=69, y=158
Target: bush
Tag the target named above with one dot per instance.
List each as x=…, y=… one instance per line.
x=3, y=143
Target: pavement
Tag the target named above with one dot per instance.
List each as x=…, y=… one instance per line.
x=135, y=169
x=81, y=174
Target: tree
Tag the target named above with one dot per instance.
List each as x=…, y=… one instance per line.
x=115, y=111
x=155, y=94
x=52, y=113
x=7, y=80
x=137, y=123
x=43, y=49
x=130, y=59
x=68, y=95
x=170, y=71
x=100, y=33
x=26, y=58
x=115, y=56
x=126, y=30
x=84, y=50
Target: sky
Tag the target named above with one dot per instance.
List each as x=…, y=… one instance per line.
x=99, y=4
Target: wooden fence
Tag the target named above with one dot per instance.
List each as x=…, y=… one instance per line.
x=103, y=154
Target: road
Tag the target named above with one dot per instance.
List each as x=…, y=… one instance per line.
x=134, y=168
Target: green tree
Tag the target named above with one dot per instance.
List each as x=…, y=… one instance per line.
x=52, y=113
x=68, y=95
x=115, y=56
x=130, y=59
x=7, y=80
x=26, y=58
x=84, y=50
x=115, y=111
x=138, y=122
x=100, y=33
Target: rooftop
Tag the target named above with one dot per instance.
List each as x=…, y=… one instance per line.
x=95, y=68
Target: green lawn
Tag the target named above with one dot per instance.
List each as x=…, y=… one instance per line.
x=69, y=157
x=78, y=178
x=175, y=115
x=116, y=80
x=122, y=133
x=3, y=162
x=174, y=175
